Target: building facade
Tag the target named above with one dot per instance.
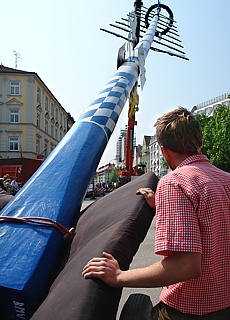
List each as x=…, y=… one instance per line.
x=121, y=147
x=144, y=157
x=32, y=121
x=102, y=175
x=156, y=158
x=209, y=106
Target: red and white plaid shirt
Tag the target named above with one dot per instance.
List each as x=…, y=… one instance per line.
x=193, y=215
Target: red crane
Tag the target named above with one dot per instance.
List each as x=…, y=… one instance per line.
x=129, y=170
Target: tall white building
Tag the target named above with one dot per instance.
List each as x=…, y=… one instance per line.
x=209, y=106
x=121, y=147
x=156, y=163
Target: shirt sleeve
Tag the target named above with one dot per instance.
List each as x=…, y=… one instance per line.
x=177, y=224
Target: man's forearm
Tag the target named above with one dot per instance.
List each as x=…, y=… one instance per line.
x=176, y=268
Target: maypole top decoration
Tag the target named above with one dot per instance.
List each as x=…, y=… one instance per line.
x=144, y=29
x=140, y=30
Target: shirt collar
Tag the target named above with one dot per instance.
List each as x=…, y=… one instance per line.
x=192, y=159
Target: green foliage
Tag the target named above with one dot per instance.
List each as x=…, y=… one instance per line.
x=216, y=135
x=164, y=163
x=113, y=176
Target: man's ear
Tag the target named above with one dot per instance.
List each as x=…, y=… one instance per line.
x=165, y=151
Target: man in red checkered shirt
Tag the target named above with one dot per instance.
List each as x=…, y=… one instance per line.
x=192, y=230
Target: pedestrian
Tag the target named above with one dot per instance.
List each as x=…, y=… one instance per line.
x=8, y=186
x=3, y=181
x=15, y=186
x=192, y=230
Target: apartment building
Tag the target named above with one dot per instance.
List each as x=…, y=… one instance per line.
x=102, y=175
x=209, y=106
x=156, y=163
x=32, y=121
x=121, y=147
x=144, y=154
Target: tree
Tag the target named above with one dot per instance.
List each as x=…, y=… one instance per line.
x=113, y=176
x=164, y=163
x=216, y=135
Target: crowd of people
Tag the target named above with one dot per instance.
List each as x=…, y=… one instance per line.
x=8, y=188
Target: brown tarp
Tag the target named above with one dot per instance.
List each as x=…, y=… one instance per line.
x=117, y=224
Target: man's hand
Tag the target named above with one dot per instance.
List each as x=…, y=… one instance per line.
x=178, y=267
x=148, y=195
x=107, y=269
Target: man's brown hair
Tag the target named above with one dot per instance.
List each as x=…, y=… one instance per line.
x=179, y=131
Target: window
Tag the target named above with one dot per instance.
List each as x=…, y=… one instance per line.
x=52, y=109
x=38, y=94
x=45, y=150
x=14, y=87
x=14, y=116
x=38, y=120
x=14, y=144
x=52, y=130
x=47, y=104
x=46, y=126
x=57, y=113
x=38, y=146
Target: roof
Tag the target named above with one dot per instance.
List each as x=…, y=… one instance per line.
x=147, y=140
x=106, y=167
x=4, y=69
x=7, y=70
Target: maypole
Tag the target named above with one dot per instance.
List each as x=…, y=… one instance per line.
x=33, y=223
x=141, y=44
x=133, y=104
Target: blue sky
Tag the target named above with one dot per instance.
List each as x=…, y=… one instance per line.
x=61, y=41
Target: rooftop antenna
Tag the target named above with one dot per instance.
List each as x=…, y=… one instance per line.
x=17, y=58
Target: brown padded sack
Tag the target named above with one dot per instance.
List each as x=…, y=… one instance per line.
x=117, y=224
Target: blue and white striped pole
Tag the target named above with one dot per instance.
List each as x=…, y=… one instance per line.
x=56, y=191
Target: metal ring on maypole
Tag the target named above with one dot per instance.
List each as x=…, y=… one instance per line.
x=163, y=6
